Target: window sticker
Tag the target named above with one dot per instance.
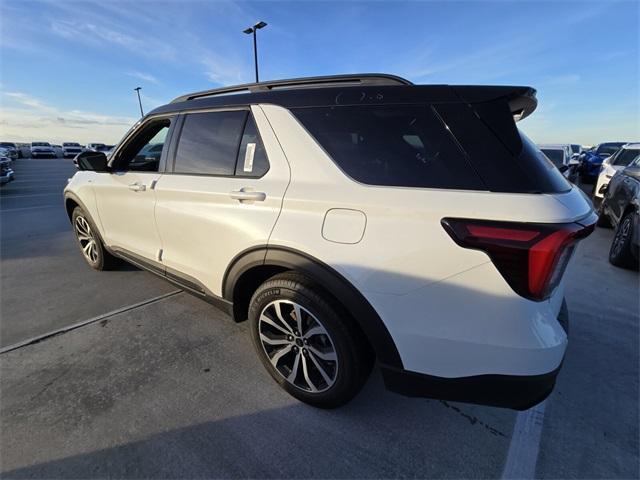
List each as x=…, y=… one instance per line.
x=248, y=157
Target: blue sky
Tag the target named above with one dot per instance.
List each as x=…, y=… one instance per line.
x=68, y=69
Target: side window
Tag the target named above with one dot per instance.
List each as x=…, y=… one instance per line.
x=209, y=143
x=252, y=158
x=143, y=152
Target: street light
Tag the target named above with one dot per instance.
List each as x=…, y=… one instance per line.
x=253, y=30
x=137, y=89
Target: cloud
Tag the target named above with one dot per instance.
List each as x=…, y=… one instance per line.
x=93, y=34
x=25, y=118
x=146, y=77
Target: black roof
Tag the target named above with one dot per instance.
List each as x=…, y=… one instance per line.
x=361, y=89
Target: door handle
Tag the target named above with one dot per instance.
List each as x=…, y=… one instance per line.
x=137, y=187
x=244, y=195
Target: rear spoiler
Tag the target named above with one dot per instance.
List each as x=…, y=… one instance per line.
x=522, y=100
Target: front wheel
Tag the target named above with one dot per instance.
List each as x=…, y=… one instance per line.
x=621, y=254
x=308, y=344
x=90, y=242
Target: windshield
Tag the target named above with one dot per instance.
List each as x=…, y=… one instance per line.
x=40, y=144
x=608, y=148
x=556, y=156
x=575, y=148
x=625, y=157
x=7, y=145
x=70, y=144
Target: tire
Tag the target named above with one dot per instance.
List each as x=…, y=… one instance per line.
x=86, y=233
x=621, y=254
x=337, y=348
x=603, y=219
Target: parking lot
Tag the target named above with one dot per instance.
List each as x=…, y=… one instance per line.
x=158, y=383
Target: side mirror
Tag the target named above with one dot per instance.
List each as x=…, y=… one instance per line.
x=574, y=161
x=92, y=161
x=632, y=171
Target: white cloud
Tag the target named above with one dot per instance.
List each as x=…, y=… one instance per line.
x=25, y=118
x=145, y=77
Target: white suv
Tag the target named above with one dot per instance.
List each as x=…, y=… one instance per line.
x=610, y=165
x=352, y=218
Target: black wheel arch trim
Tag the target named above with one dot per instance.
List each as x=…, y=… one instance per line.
x=336, y=284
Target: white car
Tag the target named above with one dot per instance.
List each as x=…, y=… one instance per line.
x=42, y=149
x=610, y=165
x=561, y=155
x=350, y=218
x=71, y=149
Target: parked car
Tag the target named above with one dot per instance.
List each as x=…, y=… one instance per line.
x=6, y=172
x=621, y=209
x=345, y=221
x=576, y=150
x=97, y=147
x=13, y=152
x=591, y=160
x=561, y=156
x=618, y=161
x=71, y=149
x=42, y=149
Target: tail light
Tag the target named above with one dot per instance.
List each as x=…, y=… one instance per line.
x=532, y=257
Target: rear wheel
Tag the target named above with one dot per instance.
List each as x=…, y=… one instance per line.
x=307, y=343
x=621, y=253
x=90, y=242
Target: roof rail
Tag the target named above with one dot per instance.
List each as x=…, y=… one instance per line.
x=307, y=82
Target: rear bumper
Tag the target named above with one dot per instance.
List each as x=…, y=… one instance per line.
x=518, y=392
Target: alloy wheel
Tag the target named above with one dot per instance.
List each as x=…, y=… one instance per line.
x=298, y=346
x=87, y=239
x=622, y=234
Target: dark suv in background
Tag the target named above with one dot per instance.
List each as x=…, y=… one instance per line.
x=620, y=209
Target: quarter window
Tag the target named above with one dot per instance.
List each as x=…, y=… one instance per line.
x=252, y=158
x=209, y=143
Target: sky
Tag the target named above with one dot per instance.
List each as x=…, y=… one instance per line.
x=68, y=69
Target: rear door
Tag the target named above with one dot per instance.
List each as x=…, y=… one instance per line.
x=221, y=195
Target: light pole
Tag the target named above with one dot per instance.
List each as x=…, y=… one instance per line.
x=254, y=30
x=137, y=89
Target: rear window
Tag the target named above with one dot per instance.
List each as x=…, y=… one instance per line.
x=556, y=156
x=451, y=146
x=625, y=157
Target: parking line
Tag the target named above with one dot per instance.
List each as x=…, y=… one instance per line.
x=59, y=194
x=104, y=316
x=525, y=444
x=4, y=210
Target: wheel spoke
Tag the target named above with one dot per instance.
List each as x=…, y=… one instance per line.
x=281, y=353
x=321, y=370
x=298, y=313
x=274, y=341
x=276, y=307
x=328, y=356
x=317, y=330
x=294, y=370
x=87, y=247
x=306, y=375
x=83, y=237
x=265, y=319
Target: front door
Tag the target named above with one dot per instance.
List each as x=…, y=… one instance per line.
x=126, y=198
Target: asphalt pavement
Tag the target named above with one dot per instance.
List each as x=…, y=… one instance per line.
x=172, y=388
